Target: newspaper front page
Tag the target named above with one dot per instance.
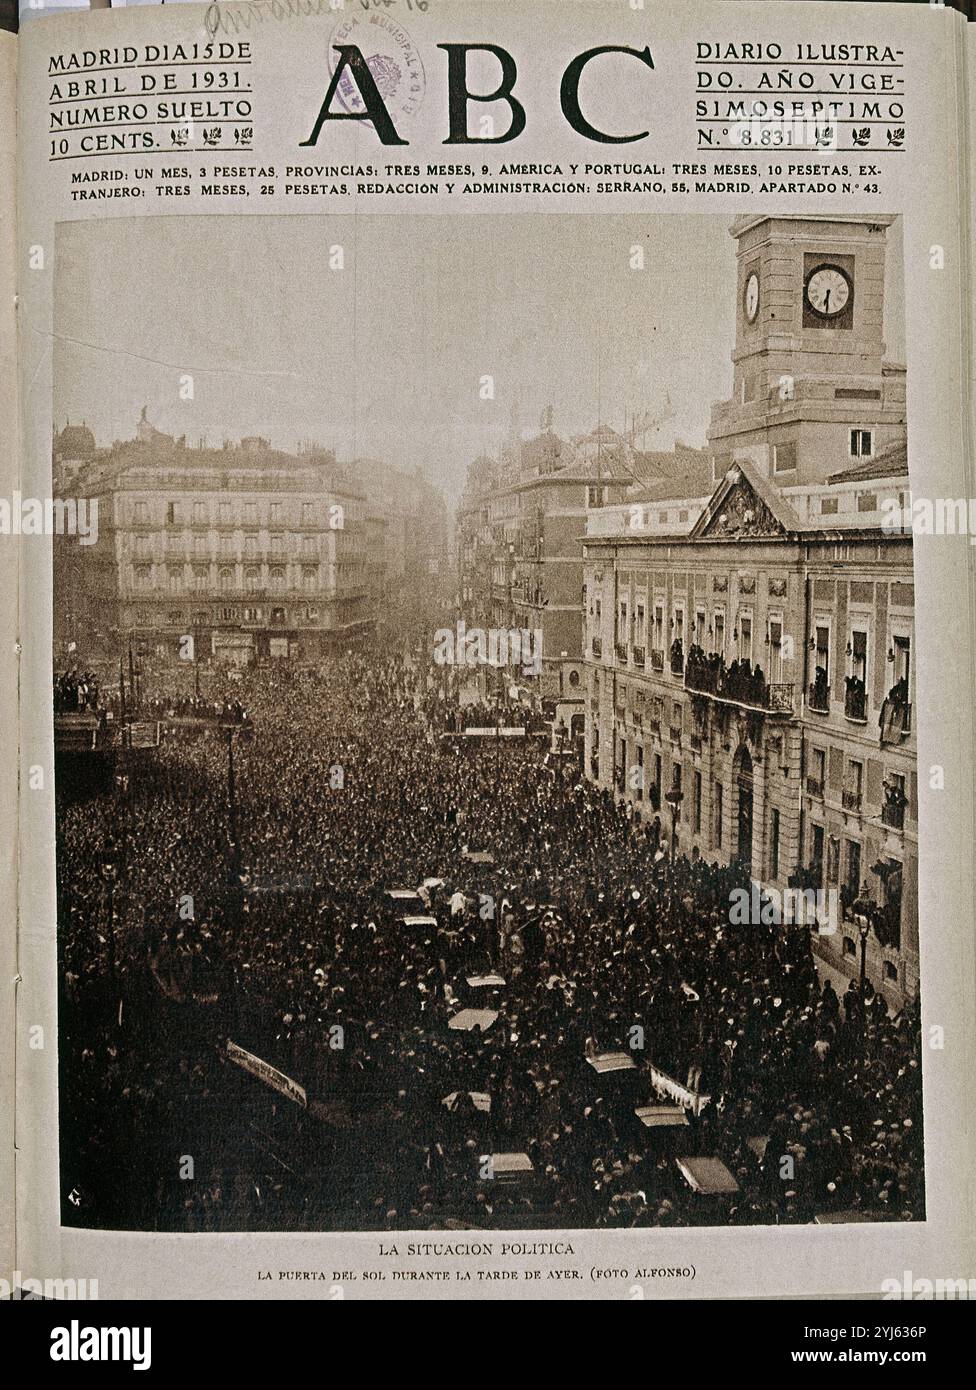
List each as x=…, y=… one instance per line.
x=491, y=824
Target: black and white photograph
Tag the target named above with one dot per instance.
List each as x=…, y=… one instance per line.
x=485, y=724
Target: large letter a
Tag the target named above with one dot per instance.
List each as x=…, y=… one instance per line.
x=376, y=112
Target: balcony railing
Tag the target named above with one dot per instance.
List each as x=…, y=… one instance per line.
x=710, y=676
x=815, y=786
x=818, y=698
x=640, y=656
x=657, y=660
x=851, y=801
x=856, y=702
x=893, y=815
x=597, y=646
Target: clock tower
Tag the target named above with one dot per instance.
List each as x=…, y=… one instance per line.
x=812, y=392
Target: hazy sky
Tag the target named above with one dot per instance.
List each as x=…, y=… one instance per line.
x=384, y=358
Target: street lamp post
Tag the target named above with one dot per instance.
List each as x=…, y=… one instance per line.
x=674, y=798
x=861, y=910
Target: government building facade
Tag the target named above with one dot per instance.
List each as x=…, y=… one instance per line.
x=749, y=648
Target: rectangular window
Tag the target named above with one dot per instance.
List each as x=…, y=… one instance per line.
x=698, y=803
x=745, y=638
x=867, y=501
x=719, y=645
x=784, y=458
x=659, y=626
x=718, y=814
x=902, y=647
x=828, y=506
x=775, y=650
x=141, y=514
x=172, y=513
x=859, y=654
x=862, y=444
x=821, y=655
x=199, y=513
x=774, y=844
x=833, y=861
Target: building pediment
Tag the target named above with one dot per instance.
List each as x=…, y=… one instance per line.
x=745, y=506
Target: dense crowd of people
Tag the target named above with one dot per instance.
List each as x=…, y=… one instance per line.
x=267, y=919
x=75, y=692
x=452, y=717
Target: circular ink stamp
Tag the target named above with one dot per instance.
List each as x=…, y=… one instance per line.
x=393, y=60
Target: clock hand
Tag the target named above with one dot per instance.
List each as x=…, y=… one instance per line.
x=826, y=301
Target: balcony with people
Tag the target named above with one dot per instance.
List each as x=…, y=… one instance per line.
x=855, y=700
x=895, y=719
x=894, y=803
x=738, y=683
x=818, y=692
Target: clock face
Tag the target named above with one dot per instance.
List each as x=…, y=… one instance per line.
x=828, y=291
x=752, y=297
